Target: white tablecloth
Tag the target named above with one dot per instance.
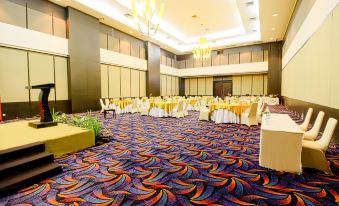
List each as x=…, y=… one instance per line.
x=272, y=101
x=224, y=116
x=280, y=144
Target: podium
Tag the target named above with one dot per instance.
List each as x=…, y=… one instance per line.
x=46, y=119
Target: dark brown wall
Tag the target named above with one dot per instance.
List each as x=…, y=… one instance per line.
x=153, y=72
x=274, y=68
x=302, y=107
x=30, y=109
x=181, y=86
x=84, y=61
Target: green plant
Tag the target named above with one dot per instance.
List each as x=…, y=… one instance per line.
x=89, y=121
x=59, y=117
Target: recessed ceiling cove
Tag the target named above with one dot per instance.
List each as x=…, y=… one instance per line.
x=222, y=22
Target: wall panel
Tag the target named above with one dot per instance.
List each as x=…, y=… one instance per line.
x=169, y=85
x=41, y=71
x=173, y=86
x=236, y=85
x=245, y=57
x=163, y=85
x=142, y=84
x=12, y=13
x=258, y=84
x=176, y=85
x=187, y=87
x=135, y=50
x=59, y=27
x=104, y=81
x=13, y=75
x=39, y=21
x=125, y=46
x=201, y=86
x=246, y=84
x=193, y=86
x=61, y=78
x=209, y=86
x=265, y=84
x=114, y=81
x=125, y=82
x=135, y=82
x=234, y=58
x=189, y=63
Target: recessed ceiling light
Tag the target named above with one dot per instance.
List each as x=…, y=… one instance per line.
x=275, y=14
x=271, y=38
x=273, y=28
x=58, y=0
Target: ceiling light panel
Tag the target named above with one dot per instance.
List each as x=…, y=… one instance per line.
x=239, y=30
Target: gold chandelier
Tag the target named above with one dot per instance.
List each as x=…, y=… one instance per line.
x=148, y=10
x=202, y=51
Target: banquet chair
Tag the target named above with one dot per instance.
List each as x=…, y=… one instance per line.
x=308, y=116
x=259, y=112
x=186, y=109
x=103, y=106
x=204, y=111
x=313, y=152
x=134, y=108
x=144, y=110
x=250, y=118
x=313, y=133
x=179, y=112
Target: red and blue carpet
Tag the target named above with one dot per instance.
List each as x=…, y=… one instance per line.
x=167, y=161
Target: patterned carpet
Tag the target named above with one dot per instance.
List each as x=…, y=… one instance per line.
x=166, y=161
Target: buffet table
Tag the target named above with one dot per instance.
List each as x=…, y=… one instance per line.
x=227, y=113
x=280, y=143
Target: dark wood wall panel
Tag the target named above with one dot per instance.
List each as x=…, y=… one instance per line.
x=30, y=109
x=153, y=73
x=181, y=86
x=84, y=61
x=302, y=107
x=274, y=68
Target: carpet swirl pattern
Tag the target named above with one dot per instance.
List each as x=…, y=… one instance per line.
x=167, y=161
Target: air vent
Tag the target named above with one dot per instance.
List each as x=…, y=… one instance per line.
x=249, y=3
x=128, y=15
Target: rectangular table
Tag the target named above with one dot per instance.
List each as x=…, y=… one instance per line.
x=280, y=144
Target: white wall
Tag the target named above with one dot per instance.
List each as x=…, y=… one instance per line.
x=312, y=74
x=223, y=70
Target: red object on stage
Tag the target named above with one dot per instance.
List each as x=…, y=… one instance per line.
x=0, y=111
x=41, y=110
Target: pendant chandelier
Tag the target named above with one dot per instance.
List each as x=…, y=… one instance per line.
x=202, y=51
x=151, y=18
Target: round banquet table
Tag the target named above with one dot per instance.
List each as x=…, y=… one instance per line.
x=227, y=113
x=162, y=109
x=121, y=106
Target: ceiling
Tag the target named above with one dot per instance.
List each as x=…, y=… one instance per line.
x=225, y=23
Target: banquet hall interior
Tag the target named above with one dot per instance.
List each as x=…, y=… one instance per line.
x=169, y=102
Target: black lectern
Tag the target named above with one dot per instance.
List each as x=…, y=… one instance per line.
x=46, y=119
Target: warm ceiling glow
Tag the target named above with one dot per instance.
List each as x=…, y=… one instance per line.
x=151, y=17
x=170, y=36
x=203, y=50
x=275, y=15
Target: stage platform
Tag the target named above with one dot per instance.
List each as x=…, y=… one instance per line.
x=58, y=140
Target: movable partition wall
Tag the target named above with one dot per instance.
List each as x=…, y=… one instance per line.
x=255, y=84
x=169, y=85
x=38, y=15
x=117, y=82
x=21, y=68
